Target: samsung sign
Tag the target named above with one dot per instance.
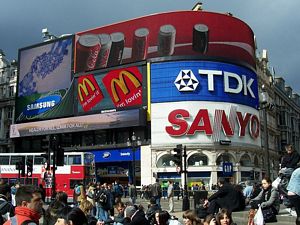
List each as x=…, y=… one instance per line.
x=203, y=81
x=41, y=105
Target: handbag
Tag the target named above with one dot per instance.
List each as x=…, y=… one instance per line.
x=269, y=215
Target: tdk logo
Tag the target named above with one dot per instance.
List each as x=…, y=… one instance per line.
x=186, y=81
x=232, y=83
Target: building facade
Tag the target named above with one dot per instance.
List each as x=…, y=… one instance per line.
x=8, y=81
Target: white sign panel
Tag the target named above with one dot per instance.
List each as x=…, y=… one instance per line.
x=204, y=123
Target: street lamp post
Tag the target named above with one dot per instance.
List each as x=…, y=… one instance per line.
x=264, y=106
x=135, y=142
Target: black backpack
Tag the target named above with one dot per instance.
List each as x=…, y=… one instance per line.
x=6, y=207
x=102, y=198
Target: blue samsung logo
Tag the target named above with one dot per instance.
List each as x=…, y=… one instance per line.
x=42, y=105
x=203, y=81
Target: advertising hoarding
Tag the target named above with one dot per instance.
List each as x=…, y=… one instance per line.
x=203, y=81
x=133, y=117
x=44, y=88
x=113, y=90
x=182, y=33
x=205, y=123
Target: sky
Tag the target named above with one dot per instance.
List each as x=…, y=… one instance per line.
x=276, y=24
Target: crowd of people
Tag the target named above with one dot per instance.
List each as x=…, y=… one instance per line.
x=104, y=204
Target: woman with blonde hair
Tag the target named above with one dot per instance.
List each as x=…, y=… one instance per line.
x=86, y=207
x=190, y=218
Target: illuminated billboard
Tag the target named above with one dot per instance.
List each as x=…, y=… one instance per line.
x=194, y=122
x=45, y=80
x=203, y=81
x=112, y=90
x=183, y=33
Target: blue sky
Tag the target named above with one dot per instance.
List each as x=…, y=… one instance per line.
x=275, y=23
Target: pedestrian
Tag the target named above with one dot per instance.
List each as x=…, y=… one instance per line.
x=190, y=218
x=132, y=193
x=152, y=209
x=118, y=191
x=102, y=202
x=156, y=192
x=170, y=195
x=268, y=200
x=164, y=218
x=134, y=215
x=247, y=191
x=226, y=197
x=29, y=205
x=73, y=216
x=224, y=218
x=294, y=192
x=51, y=213
x=86, y=206
x=7, y=209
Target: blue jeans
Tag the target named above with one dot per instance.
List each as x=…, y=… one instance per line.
x=101, y=214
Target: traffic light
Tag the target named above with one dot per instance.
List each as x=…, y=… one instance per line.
x=60, y=156
x=178, y=156
x=29, y=164
x=45, y=143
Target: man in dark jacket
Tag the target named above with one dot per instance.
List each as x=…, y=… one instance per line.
x=135, y=216
x=226, y=197
x=289, y=161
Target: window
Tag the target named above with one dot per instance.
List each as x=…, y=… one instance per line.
x=4, y=160
x=39, y=160
x=74, y=160
x=11, y=91
x=198, y=160
x=10, y=113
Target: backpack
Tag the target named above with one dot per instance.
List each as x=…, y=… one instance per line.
x=119, y=190
x=6, y=207
x=102, y=198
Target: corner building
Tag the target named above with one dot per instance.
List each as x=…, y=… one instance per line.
x=168, y=79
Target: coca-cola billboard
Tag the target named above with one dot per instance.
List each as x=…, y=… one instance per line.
x=184, y=33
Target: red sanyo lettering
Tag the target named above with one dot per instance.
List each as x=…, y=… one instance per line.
x=179, y=125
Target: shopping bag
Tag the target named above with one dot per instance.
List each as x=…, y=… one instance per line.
x=259, y=217
x=276, y=182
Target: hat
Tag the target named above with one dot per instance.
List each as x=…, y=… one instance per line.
x=129, y=211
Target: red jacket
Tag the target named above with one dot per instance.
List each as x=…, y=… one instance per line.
x=23, y=213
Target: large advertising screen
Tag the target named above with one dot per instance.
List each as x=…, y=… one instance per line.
x=205, y=123
x=203, y=81
x=183, y=33
x=112, y=90
x=44, y=88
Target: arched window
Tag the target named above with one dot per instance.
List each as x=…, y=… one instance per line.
x=224, y=157
x=245, y=160
x=166, y=161
x=198, y=159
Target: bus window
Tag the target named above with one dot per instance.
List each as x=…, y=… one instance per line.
x=89, y=159
x=4, y=160
x=15, y=159
x=74, y=160
x=39, y=160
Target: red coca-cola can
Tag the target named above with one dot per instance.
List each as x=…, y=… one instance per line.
x=87, y=50
x=166, y=40
x=117, y=48
x=140, y=44
x=103, y=56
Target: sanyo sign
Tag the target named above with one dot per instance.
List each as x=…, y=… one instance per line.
x=203, y=81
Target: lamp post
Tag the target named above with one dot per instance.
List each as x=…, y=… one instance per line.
x=135, y=142
x=264, y=105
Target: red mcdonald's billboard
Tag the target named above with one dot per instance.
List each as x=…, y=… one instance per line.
x=182, y=33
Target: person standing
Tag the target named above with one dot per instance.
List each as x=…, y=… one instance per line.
x=29, y=206
x=132, y=193
x=294, y=192
x=170, y=193
x=156, y=192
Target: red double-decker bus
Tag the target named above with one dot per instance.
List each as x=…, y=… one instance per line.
x=79, y=167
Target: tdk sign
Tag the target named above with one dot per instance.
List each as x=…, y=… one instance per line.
x=203, y=81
